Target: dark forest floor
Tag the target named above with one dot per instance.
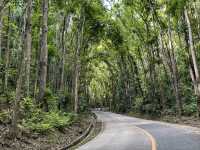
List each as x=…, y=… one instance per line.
x=53, y=140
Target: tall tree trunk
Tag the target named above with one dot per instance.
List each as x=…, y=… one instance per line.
x=76, y=86
x=7, y=53
x=77, y=62
x=174, y=73
x=66, y=26
x=15, y=116
x=192, y=75
x=27, y=45
x=161, y=86
x=22, y=68
x=63, y=56
x=37, y=60
x=1, y=27
x=194, y=60
x=43, y=57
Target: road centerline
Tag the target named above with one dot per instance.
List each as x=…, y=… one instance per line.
x=151, y=138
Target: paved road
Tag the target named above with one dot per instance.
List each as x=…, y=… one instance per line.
x=128, y=133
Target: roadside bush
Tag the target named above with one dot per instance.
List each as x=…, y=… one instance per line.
x=36, y=120
x=83, y=104
x=169, y=112
x=190, y=109
x=5, y=116
x=138, y=104
x=65, y=103
x=27, y=107
x=43, y=122
x=51, y=100
x=57, y=120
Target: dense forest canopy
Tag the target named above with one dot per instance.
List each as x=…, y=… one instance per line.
x=61, y=56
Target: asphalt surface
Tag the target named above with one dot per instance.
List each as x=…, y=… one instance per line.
x=127, y=133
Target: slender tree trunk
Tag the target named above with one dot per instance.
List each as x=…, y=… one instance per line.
x=1, y=27
x=22, y=68
x=175, y=74
x=66, y=26
x=161, y=86
x=63, y=56
x=43, y=57
x=27, y=45
x=15, y=116
x=134, y=70
x=76, y=86
x=76, y=75
x=36, y=76
x=192, y=75
x=7, y=54
x=77, y=63
x=37, y=60
x=194, y=60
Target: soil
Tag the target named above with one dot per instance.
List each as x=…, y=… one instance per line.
x=53, y=140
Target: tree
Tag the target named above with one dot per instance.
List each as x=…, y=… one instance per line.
x=43, y=57
x=174, y=73
x=25, y=64
x=7, y=55
x=195, y=74
x=27, y=45
x=77, y=61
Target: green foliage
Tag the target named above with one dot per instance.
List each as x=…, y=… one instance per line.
x=43, y=122
x=28, y=108
x=125, y=59
x=138, y=103
x=151, y=109
x=83, y=103
x=5, y=116
x=190, y=109
x=52, y=51
x=51, y=99
x=176, y=7
x=37, y=120
x=8, y=96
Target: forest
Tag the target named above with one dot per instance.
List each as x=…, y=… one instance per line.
x=60, y=58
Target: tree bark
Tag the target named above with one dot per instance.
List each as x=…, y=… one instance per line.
x=1, y=27
x=22, y=69
x=77, y=63
x=192, y=75
x=66, y=26
x=63, y=56
x=194, y=60
x=175, y=73
x=2, y=6
x=161, y=86
x=27, y=45
x=7, y=54
x=15, y=116
x=43, y=57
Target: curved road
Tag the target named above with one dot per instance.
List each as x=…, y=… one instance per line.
x=127, y=133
